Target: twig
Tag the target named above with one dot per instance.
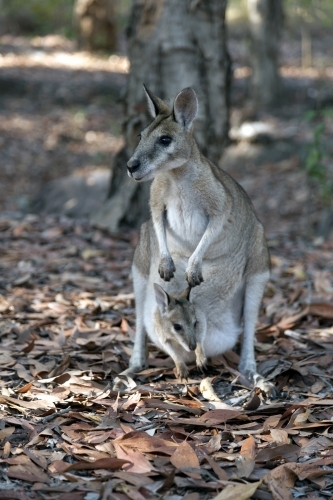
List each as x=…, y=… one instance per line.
x=240, y=399
x=54, y=415
x=146, y=427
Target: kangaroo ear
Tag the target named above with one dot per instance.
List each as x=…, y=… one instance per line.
x=186, y=293
x=155, y=105
x=162, y=298
x=185, y=107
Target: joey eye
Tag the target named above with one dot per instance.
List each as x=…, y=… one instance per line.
x=177, y=327
x=165, y=140
x=195, y=324
x=139, y=135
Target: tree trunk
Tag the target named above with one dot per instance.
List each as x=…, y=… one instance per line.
x=172, y=45
x=95, y=21
x=266, y=17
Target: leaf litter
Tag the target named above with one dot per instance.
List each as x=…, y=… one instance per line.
x=67, y=324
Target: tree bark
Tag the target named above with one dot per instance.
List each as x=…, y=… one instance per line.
x=95, y=21
x=172, y=45
x=266, y=18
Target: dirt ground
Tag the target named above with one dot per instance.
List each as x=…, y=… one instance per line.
x=67, y=308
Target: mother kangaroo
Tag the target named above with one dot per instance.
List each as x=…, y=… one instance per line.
x=203, y=230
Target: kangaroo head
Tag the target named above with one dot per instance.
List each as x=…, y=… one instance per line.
x=177, y=318
x=167, y=142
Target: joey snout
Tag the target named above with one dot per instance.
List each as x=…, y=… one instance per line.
x=192, y=345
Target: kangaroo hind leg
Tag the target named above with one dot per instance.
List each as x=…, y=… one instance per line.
x=254, y=291
x=139, y=353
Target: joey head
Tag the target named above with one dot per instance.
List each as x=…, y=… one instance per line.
x=178, y=329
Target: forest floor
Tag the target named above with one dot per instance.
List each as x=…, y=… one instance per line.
x=67, y=308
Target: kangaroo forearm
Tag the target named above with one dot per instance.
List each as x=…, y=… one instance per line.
x=213, y=232
x=159, y=221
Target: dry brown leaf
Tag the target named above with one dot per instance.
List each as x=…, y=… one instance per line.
x=245, y=461
x=289, y=452
x=131, y=401
x=317, y=386
x=301, y=417
x=192, y=496
x=132, y=478
x=6, y=450
x=214, y=444
x=280, y=436
x=141, y=441
x=310, y=470
x=221, y=474
x=215, y=417
x=139, y=462
x=37, y=457
x=103, y=463
x=25, y=388
x=6, y=360
x=27, y=472
x=130, y=491
x=271, y=422
x=14, y=495
x=237, y=491
x=29, y=347
x=6, y=432
x=253, y=404
x=279, y=481
x=184, y=456
x=31, y=405
x=59, y=370
x=322, y=309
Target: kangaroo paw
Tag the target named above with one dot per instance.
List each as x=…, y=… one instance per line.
x=182, y=372
x=194, y=275
x=266, y=387
x=166, y=268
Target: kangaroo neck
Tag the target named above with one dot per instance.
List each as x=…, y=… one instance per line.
x=189, y=169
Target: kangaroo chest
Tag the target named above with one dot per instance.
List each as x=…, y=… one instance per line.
x=186, y=219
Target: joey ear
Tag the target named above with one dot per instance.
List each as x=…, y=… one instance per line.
x=186, y=293
x=155, y=105
x=185, y=107
x=162, y=298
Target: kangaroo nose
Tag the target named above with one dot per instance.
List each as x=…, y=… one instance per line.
x=193, y=345
x=133, y=165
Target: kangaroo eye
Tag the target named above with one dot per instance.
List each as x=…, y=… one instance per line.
x=177, y=327
x=195, y=324
x=165, y=140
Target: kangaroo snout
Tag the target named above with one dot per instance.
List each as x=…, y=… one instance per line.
x=133, y=165
x=193, y=345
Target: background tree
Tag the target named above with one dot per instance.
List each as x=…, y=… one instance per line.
x=172, y=45
x=265, y=18
x=96, y=25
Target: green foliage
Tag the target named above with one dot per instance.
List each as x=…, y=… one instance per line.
x=306, y=11
x=40, y=16
x=310, y=11
x=315, y=165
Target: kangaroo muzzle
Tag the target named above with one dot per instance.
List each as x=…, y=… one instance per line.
x=133, y=165
x=193, y=345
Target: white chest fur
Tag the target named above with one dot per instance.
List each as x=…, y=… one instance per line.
x=187, y=221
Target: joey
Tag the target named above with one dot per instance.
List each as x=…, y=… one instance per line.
x=178, y=329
